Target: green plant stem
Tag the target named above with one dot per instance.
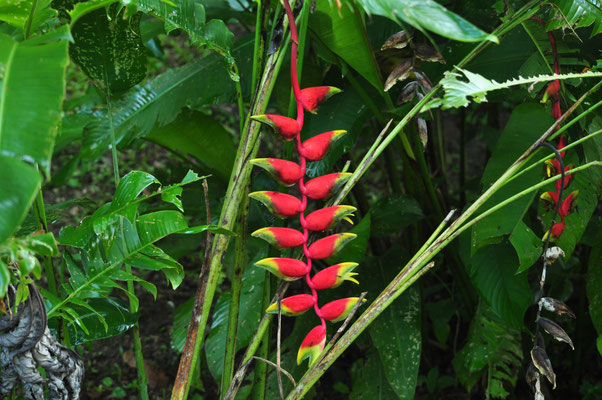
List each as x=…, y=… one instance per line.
x=239, y=263
x=537, y=46
x=239, y=180
x=261, y=369
x=40, y=212
x=239, y=99
x=259, y=44
x=302, y=28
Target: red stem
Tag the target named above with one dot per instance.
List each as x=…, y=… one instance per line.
x=302, y=159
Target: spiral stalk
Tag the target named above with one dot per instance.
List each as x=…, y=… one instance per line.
x=283, y=205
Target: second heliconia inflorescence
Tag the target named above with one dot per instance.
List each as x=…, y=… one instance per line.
x=289, y=173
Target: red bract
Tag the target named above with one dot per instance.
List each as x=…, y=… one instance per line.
x=285, y=128
x=328, y=217
x=334, y=276
x=312, y=345
x=326, y=185
x=549, y=200
x=569, y=204
x=557, y=230
x=561, y=145
x=280, y=238
x=285, y=172
x=287, y=269
x=330, y=245
x=280, y=204
x=553, y=89
x=313, y=96
x=315, y=148
x=293, y=306
x=339, y=309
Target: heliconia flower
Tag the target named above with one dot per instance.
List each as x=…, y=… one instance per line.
x=551, y=167
x=557, y=230
x=285, y=172
x=284, y=127
x=556, y=111
x=332, y=277
x=292, y=306
x=287, y=269
x=338, y=310
x=315, y=148
x=551, y=91
x=326, y=185
x=280, y=238
x=567, y=178
x=569, y=204
x=280, y=204
x=312, y=345
x=328, y=217
x=549, y=200
x=330, y=245
x=313, y=96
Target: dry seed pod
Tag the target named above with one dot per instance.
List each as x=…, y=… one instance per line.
x=401, y=72
x=543, y=364
x=531, y=376
x=423, y=80
x=552, y=254
x=555, y=331
x=428, y=53
x=408, y=92
x=556, y=306
x=398, y=40
x=422, y=131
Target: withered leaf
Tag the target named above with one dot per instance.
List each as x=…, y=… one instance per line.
x=555, y=330
x=408, y=92
x=423, y=80
x=543, y=364
x=401, y=72
x=422, y=131
x=398, y=40
x=556, y=306
x=428, y=53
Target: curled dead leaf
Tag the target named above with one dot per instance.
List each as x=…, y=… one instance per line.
x=555, y=330
x=556, y=306
x=543, y=364
x=428, y=53
x=398, y=40
x=400, y=73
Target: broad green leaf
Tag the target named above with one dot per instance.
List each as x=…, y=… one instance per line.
x=493, y=272
x=116, y=316
x=108, y=48
x=200, y=136
x=26, y=14
x=4, y=278
x=594, y=287
x=189, y=15
x=527, y=123
x=344, y=33
x=43, y=244
x=527, y=245
x=249, y=314
x=33, y=89
x=368, y=379
x=130, y=187
x=578, y=13
x=427, y=15
x=20, y=183
x=391, y=214
x=85, y=7
x=493, y=348
x=396, y=333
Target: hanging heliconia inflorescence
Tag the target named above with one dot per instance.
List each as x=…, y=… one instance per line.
x=282, y=205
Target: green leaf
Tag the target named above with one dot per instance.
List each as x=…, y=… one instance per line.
x=392, y=214
x=4, y=278
x=189, y=15
x=526, y=124
x=130, y=187
x=108, y=48
x=26, y=14
x=33, y=89
x=396, y=333
x=249, y=314
x=527, y=245
x=427, y=15
x=493, y=272
x=20, y=183
x=343, y=32
x=115, y=315
x=369, y=380
x=43, y=244
x=594, y=287
x=458, y=93
x=494, y=348
x=578, y=13
x=200, y=136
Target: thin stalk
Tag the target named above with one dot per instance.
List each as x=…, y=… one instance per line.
x=303, y=18
x=239, y=264
x=40, y=211
x=239, y=181
x=259, y=44
x=261, y=369
x=239, y=99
